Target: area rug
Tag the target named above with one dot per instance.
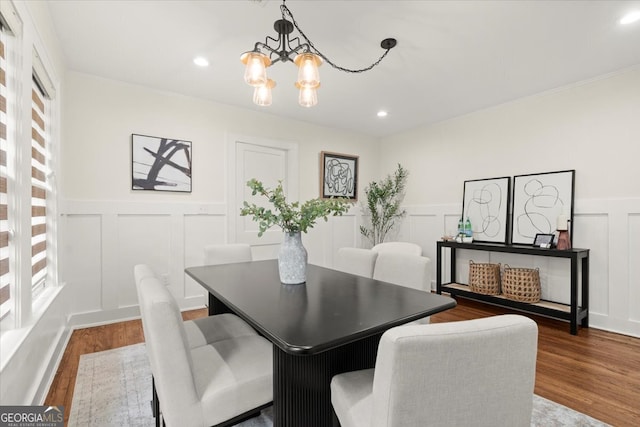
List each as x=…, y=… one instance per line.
x=113, y=388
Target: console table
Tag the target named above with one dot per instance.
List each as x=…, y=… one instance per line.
x=576, y=312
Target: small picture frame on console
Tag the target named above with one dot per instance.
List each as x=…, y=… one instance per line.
x=543, y=240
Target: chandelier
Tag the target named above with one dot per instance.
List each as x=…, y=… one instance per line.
x=304, y=55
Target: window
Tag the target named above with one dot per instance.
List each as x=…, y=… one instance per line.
x=27, y=197
x=39, y=172
x=5, y=282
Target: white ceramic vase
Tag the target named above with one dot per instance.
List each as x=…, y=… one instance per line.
x=292, y=259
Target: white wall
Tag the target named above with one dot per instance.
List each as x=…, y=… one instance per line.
x=588, y=127
x=100, y=115
x=108, y=228
x=591, y=127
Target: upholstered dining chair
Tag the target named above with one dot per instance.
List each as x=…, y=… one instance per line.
x=218, y=384
x=412, y=271
x=203, y=330
x=356, y=261
x=227, y=253
x=471, y=373
x=403, y=247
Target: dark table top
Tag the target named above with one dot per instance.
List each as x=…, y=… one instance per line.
x=331, y=309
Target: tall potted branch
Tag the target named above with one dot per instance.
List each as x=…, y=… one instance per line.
x=383, y=205
x=293, y=218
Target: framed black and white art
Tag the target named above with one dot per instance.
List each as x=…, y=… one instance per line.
x=160, y=164
x=538, y=201
x=486, y=204
x=338, y=175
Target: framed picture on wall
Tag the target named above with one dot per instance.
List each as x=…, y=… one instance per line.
x=486, y=204
x=338, y=175
x=160, y=164
x=538, y=201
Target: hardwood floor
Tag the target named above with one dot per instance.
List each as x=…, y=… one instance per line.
x=595, y=372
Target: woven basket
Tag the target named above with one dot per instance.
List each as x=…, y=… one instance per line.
x=521, y=284
x=484, y=278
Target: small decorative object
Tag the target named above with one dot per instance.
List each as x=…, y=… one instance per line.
x=521, y=284
x=383, y=205
x=467, y=235
x=484, y=278
x=486, y=203
x=294, y=218
x=460, y=226
x=160, y=164
x=564, y=242
x=338, y=175
x=543, y=240
x=538, y=200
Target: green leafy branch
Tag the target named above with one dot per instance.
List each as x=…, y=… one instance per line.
x=291, y=217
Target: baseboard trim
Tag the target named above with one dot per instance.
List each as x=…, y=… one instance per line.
x=52, y=368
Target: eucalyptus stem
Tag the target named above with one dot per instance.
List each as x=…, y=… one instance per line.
x=290, y=217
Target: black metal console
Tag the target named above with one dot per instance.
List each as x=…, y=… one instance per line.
x=576, y=312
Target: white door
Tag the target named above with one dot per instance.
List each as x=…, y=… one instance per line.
x=268, y=162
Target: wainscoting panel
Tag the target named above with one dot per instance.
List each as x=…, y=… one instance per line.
x=339, y=232
x=592, y=230
x=103, y=241
x=199, y=231
x=634, y=268
x=141, y=239
x=82, y=272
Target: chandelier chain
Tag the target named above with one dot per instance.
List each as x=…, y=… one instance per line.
x=285, y=10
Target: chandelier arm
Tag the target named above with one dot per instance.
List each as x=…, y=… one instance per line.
x=301, y=47
x=285, y=10
x=272, y=51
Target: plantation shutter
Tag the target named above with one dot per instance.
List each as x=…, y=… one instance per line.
x=38, y=187
x=5, y=285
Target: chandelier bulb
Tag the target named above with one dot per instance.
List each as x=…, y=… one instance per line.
x=255, y=72
x=308, y=74
x=262, y=94
x=308, y=96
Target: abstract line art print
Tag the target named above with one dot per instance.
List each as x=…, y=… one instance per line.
x=160, y=164
x=538, y=200
x=486, y=204
x=338, y=175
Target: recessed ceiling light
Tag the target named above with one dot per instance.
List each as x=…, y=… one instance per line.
x=630, y=17
x=382, y=114
x=201, y=62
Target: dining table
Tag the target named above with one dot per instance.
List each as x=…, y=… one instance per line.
x=328, y=325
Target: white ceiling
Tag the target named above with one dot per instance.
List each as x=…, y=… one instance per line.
x=452, y=57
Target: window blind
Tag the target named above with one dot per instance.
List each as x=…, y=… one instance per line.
x=38, y=188
x=5, y=285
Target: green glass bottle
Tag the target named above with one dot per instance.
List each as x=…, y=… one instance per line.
x=468, y=231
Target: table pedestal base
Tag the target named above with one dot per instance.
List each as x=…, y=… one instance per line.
x=301, y=384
